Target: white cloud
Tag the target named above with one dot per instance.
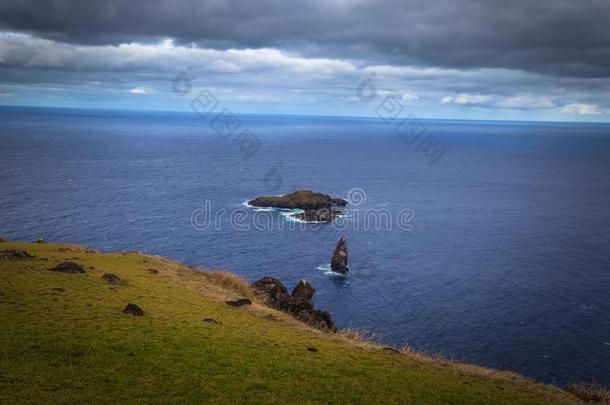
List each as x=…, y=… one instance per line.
x=583, y=109
x=497, y=101
x=409, y=96
x=525, y=102
x=276, y=76
x=467, y=99
x=30, y=52
x=138, y=90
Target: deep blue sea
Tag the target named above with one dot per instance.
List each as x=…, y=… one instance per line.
x=504, y=260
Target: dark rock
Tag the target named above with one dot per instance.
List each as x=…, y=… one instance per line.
x=298, y=304
x=321, y=215
x=57, y=289
x=239, y=303
x=210, y=320
x=133, y=309
x=68, y=267
x=303, y=199
x=312, y=349
x=112, y=278
x=303, y=291
x=13, y=254
x=275, y=295
x=272, y=290
x=153, y=271
x=270, y=284
x=41, y=241
x=338, y=263
x=322, y=320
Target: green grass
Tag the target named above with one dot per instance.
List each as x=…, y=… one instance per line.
x=78, y=346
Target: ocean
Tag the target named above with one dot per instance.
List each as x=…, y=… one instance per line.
x=487, y=242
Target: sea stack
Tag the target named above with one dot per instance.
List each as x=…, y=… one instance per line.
x=338, y=263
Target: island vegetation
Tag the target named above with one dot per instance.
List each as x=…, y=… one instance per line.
x=313, y=206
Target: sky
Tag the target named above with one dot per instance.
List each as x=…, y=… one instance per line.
x=456, y=59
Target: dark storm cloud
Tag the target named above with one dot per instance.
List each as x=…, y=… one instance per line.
x=558, y=37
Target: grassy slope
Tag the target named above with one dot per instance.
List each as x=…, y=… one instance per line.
x=77, y=345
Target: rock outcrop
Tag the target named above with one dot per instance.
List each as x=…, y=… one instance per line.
x=112, y=278
x=338, y=263
x=298, y=303
x=133, y=309
x=13, y=254
x=302, y=199
x=69, y=268
x=239, y=303
x=302, y=292
x=321, y=215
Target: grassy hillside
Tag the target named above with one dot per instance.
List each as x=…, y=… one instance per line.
x=64, y=338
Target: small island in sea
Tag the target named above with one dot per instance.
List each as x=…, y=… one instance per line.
x=314, y=206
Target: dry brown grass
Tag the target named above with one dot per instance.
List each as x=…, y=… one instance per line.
x=442, y=361
x=591, y=393
x=360, y=334
x=228, y=281
x=431, y=357
x=364, y=338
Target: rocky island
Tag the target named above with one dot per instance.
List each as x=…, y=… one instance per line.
x=317, y=207
x=338, y=262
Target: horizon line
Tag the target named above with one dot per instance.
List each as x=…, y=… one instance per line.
x=313, y=115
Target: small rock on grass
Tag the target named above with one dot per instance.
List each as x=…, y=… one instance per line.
x=133, y=309
x=240, y=302
x=210, y=320
x=69, y=268
x=13, y=254
x=112, y=278
x=312, y=349
x=153, y=271
x=390, y=349
x=57, y=289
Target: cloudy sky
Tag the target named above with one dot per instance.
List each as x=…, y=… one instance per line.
x=482, y=59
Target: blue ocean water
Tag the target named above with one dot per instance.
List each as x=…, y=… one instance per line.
x=505, y=263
